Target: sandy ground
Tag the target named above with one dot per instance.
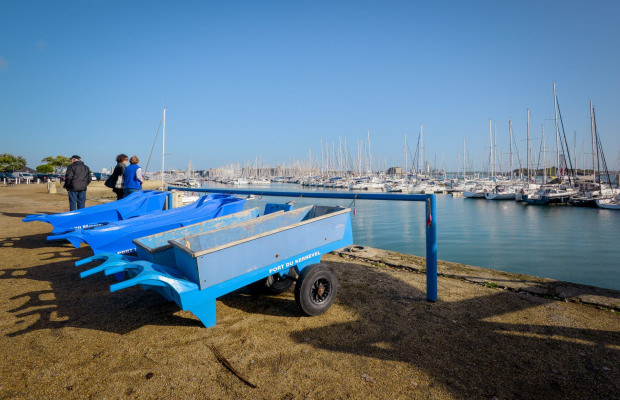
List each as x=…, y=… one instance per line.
x=64, y=337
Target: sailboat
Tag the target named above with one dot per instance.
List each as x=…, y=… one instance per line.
x=501, y=192
x=589, y=190
x=478, y=191
x=556, y=192
x=609, y=204
x=550, y=194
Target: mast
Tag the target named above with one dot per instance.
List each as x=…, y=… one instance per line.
x=544, y=156
x=592, y=131
x=163, y=148
x=557, y=130
x=490, y=168
x=464, y=160
x=528, y=148
x=495, y=172
x=346, y=156
x=422, y=147
x=322, y=157
x=510, y=129
x=575, y=153
x=369, y=154
x=405, y=154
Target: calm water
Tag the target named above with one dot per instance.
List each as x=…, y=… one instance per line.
x=567, y=243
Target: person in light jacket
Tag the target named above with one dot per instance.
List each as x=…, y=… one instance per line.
x=77, y=179
x=133, y=176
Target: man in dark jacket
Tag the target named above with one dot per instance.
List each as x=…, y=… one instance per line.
x=77, y=180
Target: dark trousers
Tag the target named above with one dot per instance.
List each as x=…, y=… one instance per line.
x=120, y=193
x=77, y=200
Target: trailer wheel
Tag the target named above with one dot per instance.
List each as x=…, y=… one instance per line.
x=316, y=289
x=276, y=283
x=273, y=284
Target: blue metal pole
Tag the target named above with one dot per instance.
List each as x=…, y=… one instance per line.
x=318, y=195
x=431, y=249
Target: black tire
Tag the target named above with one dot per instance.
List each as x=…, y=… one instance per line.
x=273, y=284
x=316, y=289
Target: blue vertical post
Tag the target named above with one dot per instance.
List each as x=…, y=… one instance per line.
x=431, y=249
x=169, y=205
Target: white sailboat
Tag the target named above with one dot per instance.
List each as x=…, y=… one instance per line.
x=609, y=204
x=501, y=192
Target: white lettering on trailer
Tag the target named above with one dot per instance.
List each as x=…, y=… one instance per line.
x=293, y=263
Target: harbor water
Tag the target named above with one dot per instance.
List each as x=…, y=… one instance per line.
x=567, y=243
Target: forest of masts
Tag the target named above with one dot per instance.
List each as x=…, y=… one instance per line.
x=336, y=159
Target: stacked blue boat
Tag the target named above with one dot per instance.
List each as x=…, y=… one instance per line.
x=118, y=236
x=134, y=205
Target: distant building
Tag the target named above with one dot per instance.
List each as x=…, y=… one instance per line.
x=26, y=169
x=395, y=171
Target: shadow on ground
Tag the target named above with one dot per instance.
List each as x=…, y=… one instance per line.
x=458, y=343
x=472, y=347
x=84, y=303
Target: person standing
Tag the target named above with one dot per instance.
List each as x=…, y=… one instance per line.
x=133, y=176
x=77, y=179
x=115, y=181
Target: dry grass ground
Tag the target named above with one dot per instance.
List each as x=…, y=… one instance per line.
x=63, y=337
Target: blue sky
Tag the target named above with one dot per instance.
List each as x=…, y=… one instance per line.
x=270, y=79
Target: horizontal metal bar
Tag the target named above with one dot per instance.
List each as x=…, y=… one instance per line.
x=318, y=195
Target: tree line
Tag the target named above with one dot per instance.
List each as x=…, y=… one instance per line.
x=10, y=163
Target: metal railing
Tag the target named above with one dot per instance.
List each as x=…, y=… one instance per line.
x=428, y=199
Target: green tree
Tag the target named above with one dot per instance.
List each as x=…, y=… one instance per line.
x=9, y=162
x=45, y=169
x=58, y=162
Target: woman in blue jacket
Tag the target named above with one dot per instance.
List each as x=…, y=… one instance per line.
x=132, y=178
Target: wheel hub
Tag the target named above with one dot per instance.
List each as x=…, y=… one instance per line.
x=320, y=290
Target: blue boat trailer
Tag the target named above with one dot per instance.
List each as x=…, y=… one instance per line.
x=278, y=248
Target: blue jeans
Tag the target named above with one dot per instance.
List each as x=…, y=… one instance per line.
x=129, y=191
x=77, y=200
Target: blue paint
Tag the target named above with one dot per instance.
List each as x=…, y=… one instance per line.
x=292, y=239
x=431, y=248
